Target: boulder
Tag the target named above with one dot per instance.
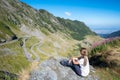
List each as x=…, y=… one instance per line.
x=51, y=69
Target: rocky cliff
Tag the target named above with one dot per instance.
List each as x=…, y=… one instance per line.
x=51, y=69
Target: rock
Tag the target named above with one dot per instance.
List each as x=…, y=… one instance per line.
x=2, y=40
x=52, y=70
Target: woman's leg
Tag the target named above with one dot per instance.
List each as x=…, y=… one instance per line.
x=66, y=63
x=77, y=69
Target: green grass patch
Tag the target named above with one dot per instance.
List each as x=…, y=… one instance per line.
x=103, y=57
x=47, y=47
x=29, y=43
x=5, y=31
x=13, y=63
x=106, y=74
x=41, y=55
x=104, y=47
x=45, y=31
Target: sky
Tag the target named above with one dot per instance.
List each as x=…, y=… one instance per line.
x=101, y=16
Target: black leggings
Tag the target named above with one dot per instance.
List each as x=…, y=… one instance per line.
x=75, y=68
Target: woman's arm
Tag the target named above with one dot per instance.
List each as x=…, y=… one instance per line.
x=75, y=61
x=70, y=60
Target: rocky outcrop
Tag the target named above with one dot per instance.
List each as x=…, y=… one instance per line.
x=51, y=69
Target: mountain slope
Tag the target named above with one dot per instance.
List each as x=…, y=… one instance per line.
x=19, y=15
x=75, y=28
x=5, y=33
x=106, y=55
x=114, y=34
x=38, y=36
x=103, y=35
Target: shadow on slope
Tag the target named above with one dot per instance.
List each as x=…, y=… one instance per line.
x=97, y=61
x=4, y=75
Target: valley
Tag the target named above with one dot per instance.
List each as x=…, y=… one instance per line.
x=32, y=43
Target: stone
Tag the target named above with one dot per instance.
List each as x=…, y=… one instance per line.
x=51, y=69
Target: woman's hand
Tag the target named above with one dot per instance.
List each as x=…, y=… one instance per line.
x=70, y=60
x=75, y=61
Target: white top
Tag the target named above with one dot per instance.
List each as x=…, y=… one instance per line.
x=84, y=69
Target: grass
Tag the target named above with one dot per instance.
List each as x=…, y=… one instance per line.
x=5, y=31
x=105, y=57
x=105, y=46
x=54, y=44
x=106, y=74
x=25, y=73
x=29, y=43
x=13, y=63
x=47, y=47
x=42, y=56
x=45, y=31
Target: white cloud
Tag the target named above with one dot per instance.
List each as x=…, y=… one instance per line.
x=68, y=13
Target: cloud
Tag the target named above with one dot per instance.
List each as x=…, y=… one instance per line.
x=68, y=13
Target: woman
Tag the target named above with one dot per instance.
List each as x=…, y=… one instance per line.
x=79, y=64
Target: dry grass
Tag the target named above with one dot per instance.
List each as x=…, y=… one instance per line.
x=112, y=56
x=108, y=61
x=104, y=75
x=25, y=73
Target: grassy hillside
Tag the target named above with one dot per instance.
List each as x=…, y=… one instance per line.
x=75, y=28
x=5, y=33
x=20, y=16
x=12, y=60
x=106, y=56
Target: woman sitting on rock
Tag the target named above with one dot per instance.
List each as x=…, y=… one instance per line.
x=79, y=64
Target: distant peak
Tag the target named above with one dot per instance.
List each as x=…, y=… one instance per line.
x=43, y=10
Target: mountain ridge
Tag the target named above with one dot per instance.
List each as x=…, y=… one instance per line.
x=114, y=34
x=20, y=14
x=111, y=35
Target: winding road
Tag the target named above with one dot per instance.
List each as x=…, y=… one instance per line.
x=41, y=51
x=8, y=42
x=35, y=54
x=29, y=55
